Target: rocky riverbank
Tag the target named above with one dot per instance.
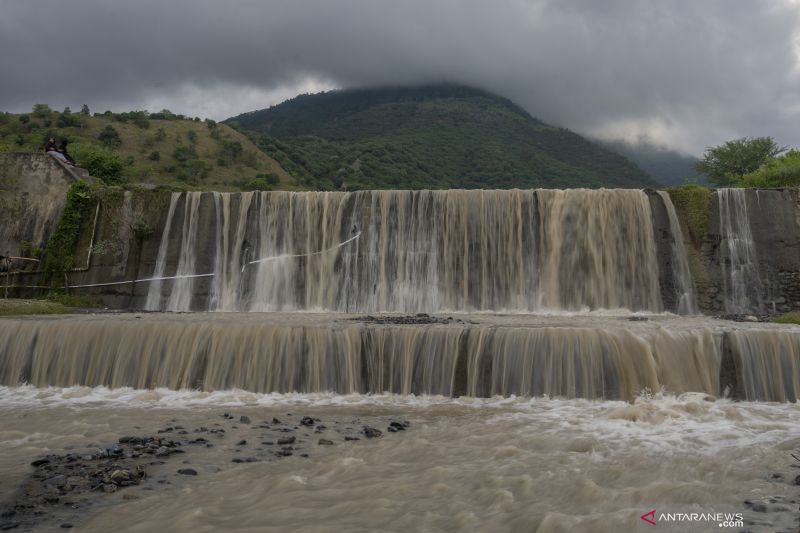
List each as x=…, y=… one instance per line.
x=61, y=489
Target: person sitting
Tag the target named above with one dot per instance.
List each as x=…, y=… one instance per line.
x=51, y=149
x=63, y=150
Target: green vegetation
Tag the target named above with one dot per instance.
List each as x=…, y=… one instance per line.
x=61, y=245
x=140, y=147
x=789, y=318
x=781, y=171
x=16, y=307
x=727, y=164
x=692, y=203
x=428, y=137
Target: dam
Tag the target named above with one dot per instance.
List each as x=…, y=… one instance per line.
x=552, y=351
x=557, y=293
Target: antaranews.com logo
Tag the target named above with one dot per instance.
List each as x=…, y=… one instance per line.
x=722, y=519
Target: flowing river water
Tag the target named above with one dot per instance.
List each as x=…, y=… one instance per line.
x=486, y=458
x=463, y=465
x=549, y=390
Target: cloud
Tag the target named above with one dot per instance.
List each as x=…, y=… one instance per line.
x=684, y=73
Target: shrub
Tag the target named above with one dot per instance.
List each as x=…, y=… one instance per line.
x=154, y=156
x=184, y=153
x=110, y=137
x=101, y=164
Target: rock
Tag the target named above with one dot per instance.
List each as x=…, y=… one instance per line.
x=372, y=433
x=66, y=525
x=283, y=453
x=307, y=421
x=109, y=487
x=244, y=419
x=40, y=462
x=268, y=442
x=348, y=437
x=115, y=451
x=242, y=443
x=162, y=451
x=166, y=430
x=286, y=440
x=797, y=480
x=398, y=426
x=276, y=421
x=749, y=318
x=120, y=476
x=187, y=472
x=325, y=442
x=56, y=481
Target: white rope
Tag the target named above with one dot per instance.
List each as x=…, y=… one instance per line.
x=319, y=252
x=185, y=276
x=190, y=276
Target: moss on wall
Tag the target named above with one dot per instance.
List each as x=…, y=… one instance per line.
x=692, y=203
x=62, y=243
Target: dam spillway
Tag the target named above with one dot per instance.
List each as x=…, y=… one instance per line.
x=599, y=357
x=529, y=274
x=413, y=251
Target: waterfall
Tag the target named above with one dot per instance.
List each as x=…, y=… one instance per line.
x=684, y=287
x=154, y=291
x=180, y=298
x=740, y=277
x=417, y=251
x=316, y=353
x=599, y=250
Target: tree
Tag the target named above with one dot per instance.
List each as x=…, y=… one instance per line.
x=783, y=171
x=85, y=110
x=110, y=137
x=727, y=163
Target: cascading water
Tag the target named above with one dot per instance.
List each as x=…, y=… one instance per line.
x=593, y=358
x=740, y=276
x=154, y=291
x=684, y=287
x=416, y=251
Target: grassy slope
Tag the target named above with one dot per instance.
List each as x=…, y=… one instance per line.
x=138, y=144
x=429, y=137
x=15, y=307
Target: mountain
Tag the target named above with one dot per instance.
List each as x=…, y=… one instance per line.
x=154, y=148
x=440, y=136
x=667, y=166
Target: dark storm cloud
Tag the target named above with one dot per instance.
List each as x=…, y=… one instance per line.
x=685, y=73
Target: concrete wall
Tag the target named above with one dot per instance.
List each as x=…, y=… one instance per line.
x=775, y=224
x=130, y=225
x=33, y=189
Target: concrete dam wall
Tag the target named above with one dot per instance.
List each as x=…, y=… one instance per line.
x=428, y=251
x=531, y=292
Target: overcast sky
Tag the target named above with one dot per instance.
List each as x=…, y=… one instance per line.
x=687, y=74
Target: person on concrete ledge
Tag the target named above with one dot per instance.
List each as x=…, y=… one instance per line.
x=63, y=151
x=51, y=149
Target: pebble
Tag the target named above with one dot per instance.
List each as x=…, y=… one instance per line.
x=286, y=440
x=244, y=419
x=372, y=433
x=187, y=472
x=325, y=442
